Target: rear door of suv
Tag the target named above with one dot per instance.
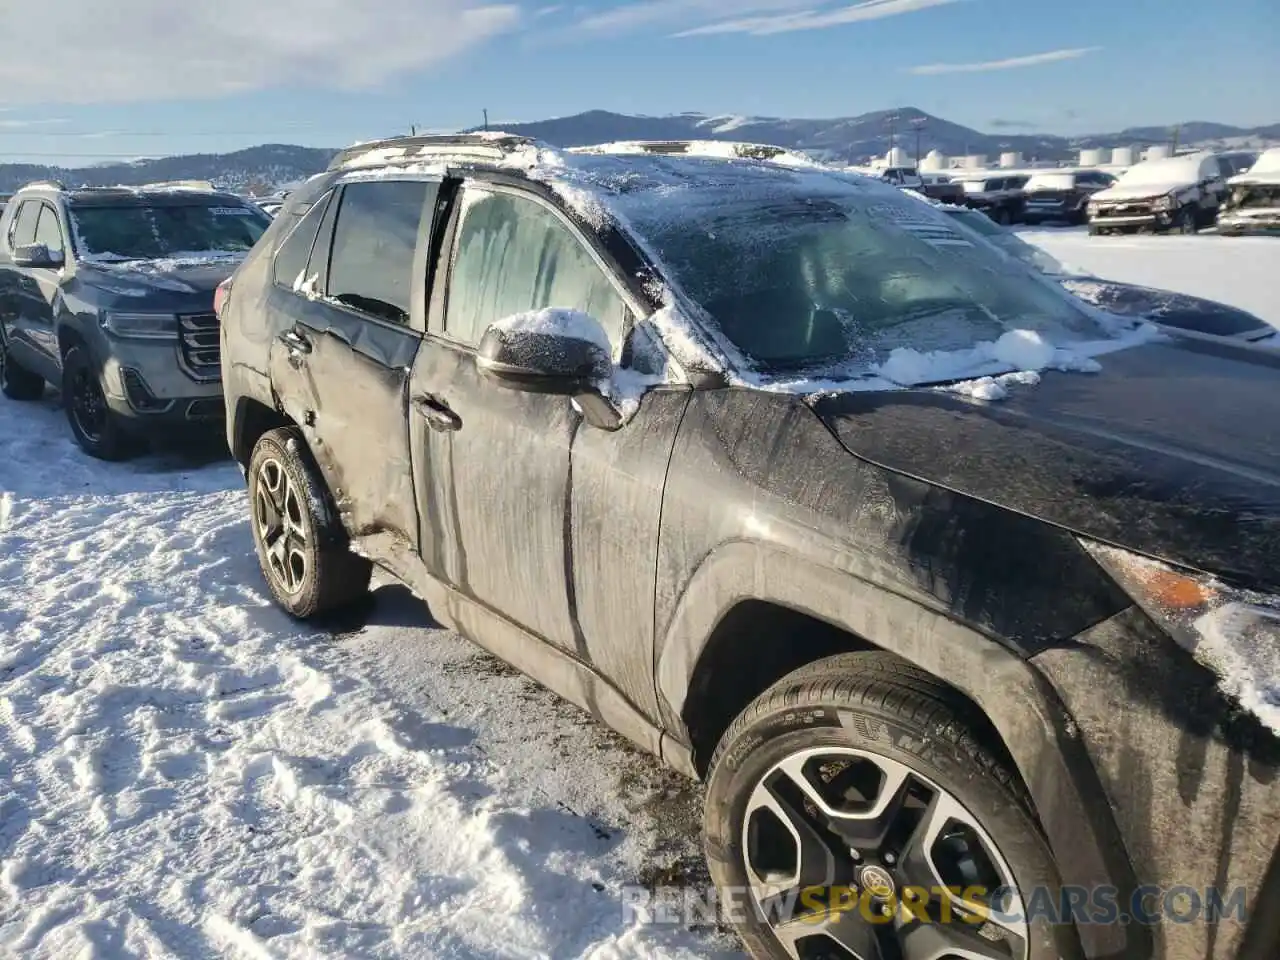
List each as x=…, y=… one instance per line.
x=351, y=327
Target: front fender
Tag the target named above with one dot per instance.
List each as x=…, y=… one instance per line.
x=1039, y=734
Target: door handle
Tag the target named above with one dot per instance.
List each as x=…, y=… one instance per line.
x=295, y=341
x=437, y=414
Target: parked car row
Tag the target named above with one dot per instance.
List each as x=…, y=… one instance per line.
x=1239, y=191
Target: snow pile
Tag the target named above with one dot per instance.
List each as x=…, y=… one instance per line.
x=1025, y=351
x=186, y=772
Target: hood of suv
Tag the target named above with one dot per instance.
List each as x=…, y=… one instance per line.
x=1137, y=191
x=194, y=275
x=1173, y=450
x=1166, y=307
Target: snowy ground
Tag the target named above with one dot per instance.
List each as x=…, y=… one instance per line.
x=1241, y=271
x=186, y=773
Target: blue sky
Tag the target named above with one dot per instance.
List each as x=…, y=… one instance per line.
x=155, y=80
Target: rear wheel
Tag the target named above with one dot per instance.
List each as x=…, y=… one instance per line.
x=94, y=425
x=847, y=801
x=1185, y=222
x=302, y=547
x=17, y=382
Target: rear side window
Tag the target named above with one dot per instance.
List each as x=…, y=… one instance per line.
x=23, y=230
x=374, y=239
x=48, y=231
x=295, y=251
x=514, y=255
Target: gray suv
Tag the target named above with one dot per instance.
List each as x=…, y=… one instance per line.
x=107, y=293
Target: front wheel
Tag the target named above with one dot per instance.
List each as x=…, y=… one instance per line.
x=301, y=545
x=93, y=424
x=860, y=815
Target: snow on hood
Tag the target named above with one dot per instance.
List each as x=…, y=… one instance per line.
x=163, y=274
x=1154, y=178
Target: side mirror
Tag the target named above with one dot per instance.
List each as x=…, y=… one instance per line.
x=36, y=255
x=558, y=352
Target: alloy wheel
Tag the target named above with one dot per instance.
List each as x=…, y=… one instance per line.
x=88, y=405
x=282, y=525
x=892, y=847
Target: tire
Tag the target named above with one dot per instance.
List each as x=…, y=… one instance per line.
x=1002, y=217
x=94, y=425
x=1185, y=222
x=302, y=547
x=1095, y=231
x=870, y=711
x=17, y=382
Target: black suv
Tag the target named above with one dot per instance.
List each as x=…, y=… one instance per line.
x=1062, y=195
x=108, y=294
x=999, y=196
x=627, y=422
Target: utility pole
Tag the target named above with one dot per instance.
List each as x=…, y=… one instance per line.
x=413, y=129
x=486, y=120
x=1177, y=129
x=892, y=120
x=918, y=123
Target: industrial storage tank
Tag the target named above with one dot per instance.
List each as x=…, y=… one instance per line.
x=1123, y=157
x=934, y=160
x=1158, y=152
x=1091, y=158
x=1010, y=160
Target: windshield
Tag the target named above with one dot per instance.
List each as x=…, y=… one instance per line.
x=798, y=279
x=139, y=232
x=1052, y=181
x=1006, y=240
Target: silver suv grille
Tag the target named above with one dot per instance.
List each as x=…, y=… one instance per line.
x=199, y=340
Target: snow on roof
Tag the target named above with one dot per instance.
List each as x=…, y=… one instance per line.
x=1166, y=170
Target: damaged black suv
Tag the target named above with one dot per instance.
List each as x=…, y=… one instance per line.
x=753, y=462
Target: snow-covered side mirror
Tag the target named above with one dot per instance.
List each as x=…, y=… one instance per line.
x=553, y=351
x=36, y=255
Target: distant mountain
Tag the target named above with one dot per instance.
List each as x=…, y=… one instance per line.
x=264, y=167
x=857, y=139
x=847, y=139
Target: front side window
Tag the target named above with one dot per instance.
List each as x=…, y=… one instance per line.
x=804, y=277
x=374, y=240
x=513, y=255
x=23, y=231
x=48, y=231
x=120, y=232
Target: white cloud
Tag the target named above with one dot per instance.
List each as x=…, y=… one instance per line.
x=1031, y=60
x=21, y=124
x=161, y=50
x=658, y=12
x=814, y=19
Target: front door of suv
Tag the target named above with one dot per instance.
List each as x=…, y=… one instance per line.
x=347, y=331
x=541, y=519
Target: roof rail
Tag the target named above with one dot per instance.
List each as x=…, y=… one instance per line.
x=56, y=184
x=481, y=146
x=715, y=148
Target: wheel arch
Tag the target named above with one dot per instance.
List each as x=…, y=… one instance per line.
x=741, y=591
x=253, y=418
